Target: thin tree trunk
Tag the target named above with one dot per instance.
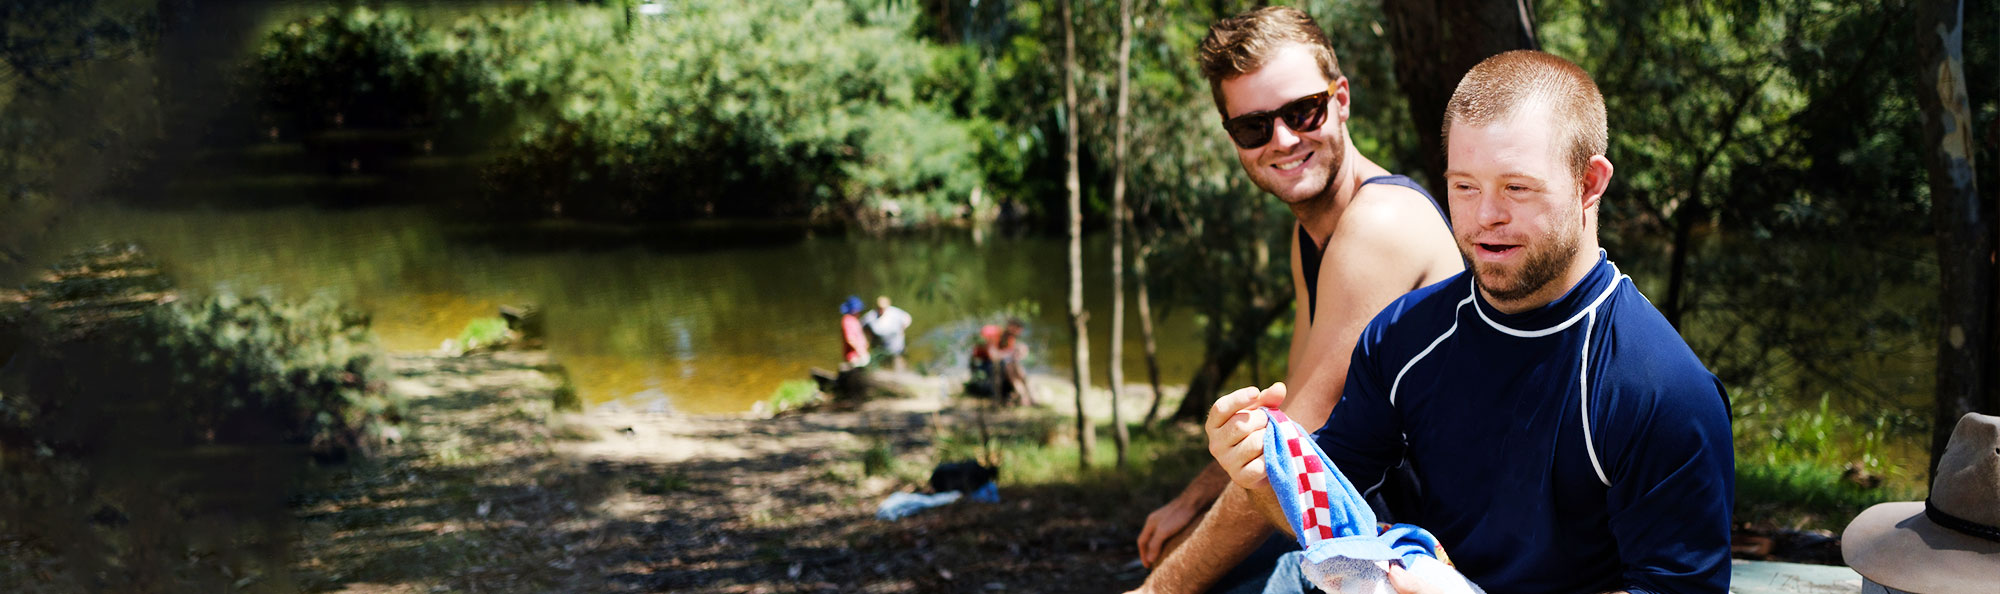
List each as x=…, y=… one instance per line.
x=1964, y=229
x=1086, y=437
x=1256, y=362
x=1225, y=355
x=1677, y=270
x=1121, y=437
x=1691, y=209
x=1435, y=42
x=1145, y=250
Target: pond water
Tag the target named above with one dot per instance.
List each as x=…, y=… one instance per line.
x=705, y=318
x=713, y=317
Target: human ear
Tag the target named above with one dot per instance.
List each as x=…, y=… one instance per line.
x=1596, y=179
x=1341, y=98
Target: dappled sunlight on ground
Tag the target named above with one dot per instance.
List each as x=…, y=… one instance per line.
x=492, y=490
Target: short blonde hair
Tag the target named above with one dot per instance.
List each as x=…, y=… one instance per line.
x=1504, y=84
x=1245, y=42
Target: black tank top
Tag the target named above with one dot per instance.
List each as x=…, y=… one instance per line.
x=1309, y=254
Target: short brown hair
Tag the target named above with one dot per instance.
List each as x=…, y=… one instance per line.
x=1503, y=84
x=1242, y=43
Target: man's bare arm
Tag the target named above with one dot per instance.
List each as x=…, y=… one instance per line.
x=1374, y=259
x=1384, y=247
x=1266, y=504
x=1232, y=530
x=1176, y=518
x=1169, y=526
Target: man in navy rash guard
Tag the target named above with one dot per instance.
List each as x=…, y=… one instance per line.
x=1565, y=437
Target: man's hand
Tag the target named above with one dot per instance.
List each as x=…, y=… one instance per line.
x=1235, y=434
x=1161, y=526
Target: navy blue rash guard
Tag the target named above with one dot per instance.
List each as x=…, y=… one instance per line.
x=1526, y=495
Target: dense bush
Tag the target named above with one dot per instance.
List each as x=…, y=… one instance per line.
x=152, y=443
x=713, y=108
x=261, y=371
x=108, y=361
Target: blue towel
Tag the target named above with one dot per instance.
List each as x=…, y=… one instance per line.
x=1346, y=550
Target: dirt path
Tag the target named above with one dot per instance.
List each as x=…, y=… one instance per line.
x=490, y=490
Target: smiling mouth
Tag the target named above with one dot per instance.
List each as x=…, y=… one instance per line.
x=1294, y=164
x=1496, y=248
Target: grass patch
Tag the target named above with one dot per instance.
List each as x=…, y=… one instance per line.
x=1034, y=447
x=1793, y=464
x=878, y=458
x=661, y=484
x=564, y=397
x=795, y=395
x=482, y=332
x=1806, y=496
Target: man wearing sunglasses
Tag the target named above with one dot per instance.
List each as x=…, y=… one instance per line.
x=1363, y=238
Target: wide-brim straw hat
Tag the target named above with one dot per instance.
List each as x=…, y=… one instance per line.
x=1949, y=543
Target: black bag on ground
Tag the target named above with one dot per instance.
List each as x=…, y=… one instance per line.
x=964, y=476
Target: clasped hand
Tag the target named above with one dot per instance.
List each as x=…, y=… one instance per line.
x=1236, y=433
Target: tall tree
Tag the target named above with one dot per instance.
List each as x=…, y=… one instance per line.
x=1229, y=343
x=1119, y=217
x=1436, y=42
x=80, y=98
x=1086, y=438
x=1964, y=228
x=1688, y=86
x=1141, y=251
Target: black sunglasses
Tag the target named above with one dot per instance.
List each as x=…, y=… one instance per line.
x=1305, y=114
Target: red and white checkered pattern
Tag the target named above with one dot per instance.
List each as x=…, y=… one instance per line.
x=1312, y=476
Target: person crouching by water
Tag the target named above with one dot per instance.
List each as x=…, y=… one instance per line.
x=854, y=341
x=986, y=380
x=1011, y=356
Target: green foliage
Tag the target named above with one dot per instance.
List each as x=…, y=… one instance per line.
x=107, y=344
x=264, y=371
x=1022, y=448
x=1802, y=466
x=483, y=332
x=794, y=395
x=718, y=108
x=365, y=68
x=1774, y=435
x=1783, y=137
x=565, y=396
x=878, y=458
x=665, y=483
x=1811, y=133
x=1806, y=496
x=228, y=371
x=79, y=108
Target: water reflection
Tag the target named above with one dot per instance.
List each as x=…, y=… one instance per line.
x=705, y=318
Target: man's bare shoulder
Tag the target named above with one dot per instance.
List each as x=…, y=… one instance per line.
x=1392, y=217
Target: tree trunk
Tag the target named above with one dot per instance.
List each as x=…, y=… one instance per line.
x=1086, y=437
x=1435, y=42
x=1257, y=361
x=1691, y=209
x=1677, y=270
x=1145, y=250
x=1121, y=437
x=1224, y=355
x=1964, y=229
